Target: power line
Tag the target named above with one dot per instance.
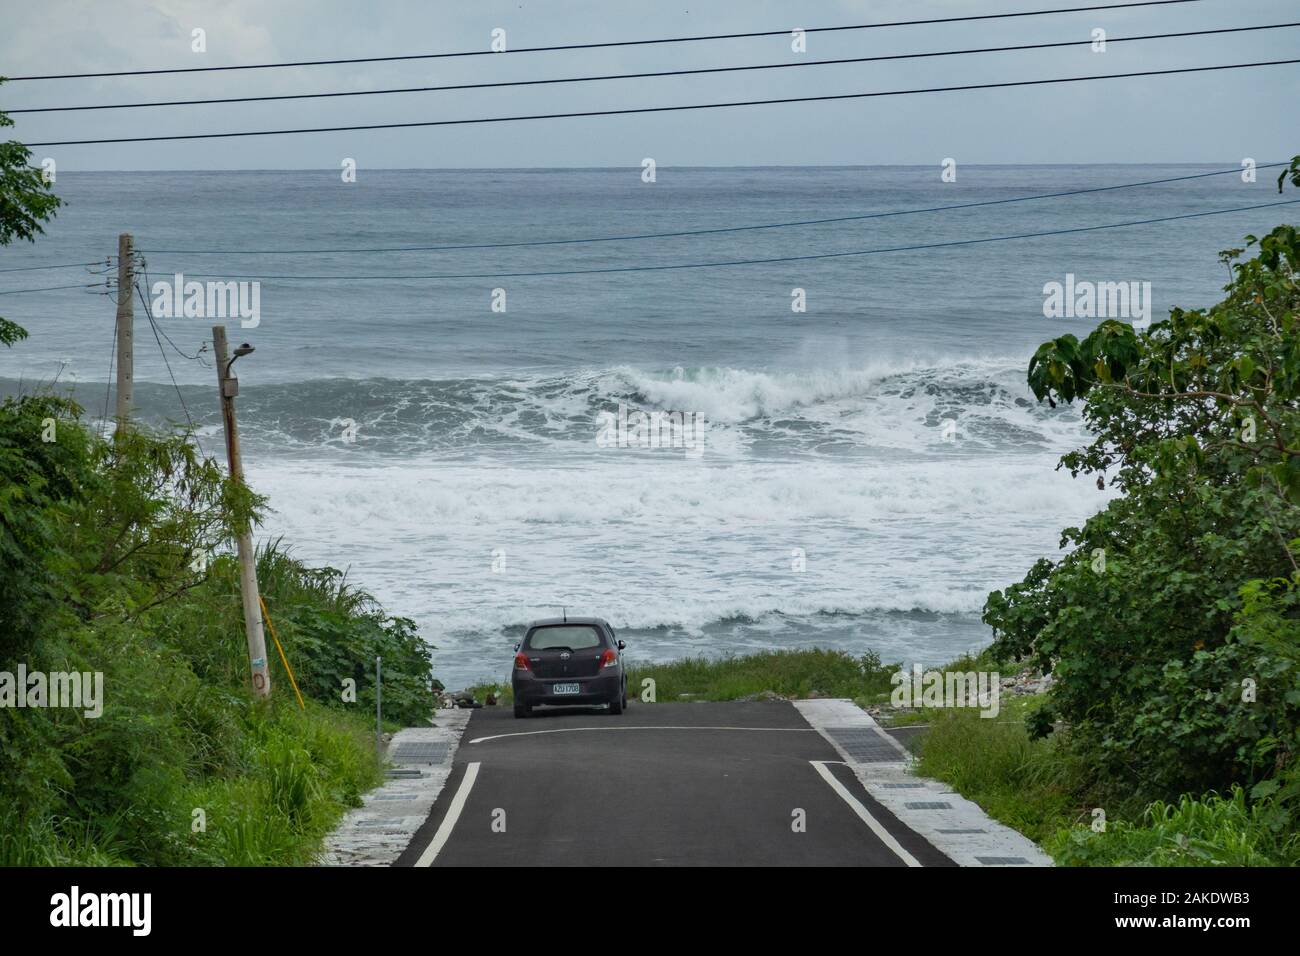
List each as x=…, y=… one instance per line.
x=603, y=45
x=660, y=109
x=154, y=325
x=196, y=357
x=52, y=288
x=202, y=346
x=706, y=232
x=108, y=382
x=64, y=265
x=750, y=262
x=650, y=75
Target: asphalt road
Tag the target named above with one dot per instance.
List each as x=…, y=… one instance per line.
x=662, y=785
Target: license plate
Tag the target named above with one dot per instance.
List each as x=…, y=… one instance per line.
x=565, y=689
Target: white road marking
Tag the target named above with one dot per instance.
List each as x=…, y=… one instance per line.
x=856, y=806
x=453, y=814
x=570, y=730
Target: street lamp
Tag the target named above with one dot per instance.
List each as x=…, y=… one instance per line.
x=230, y=384
x=240, y=352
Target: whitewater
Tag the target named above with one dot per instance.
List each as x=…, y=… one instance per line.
x=872, y=468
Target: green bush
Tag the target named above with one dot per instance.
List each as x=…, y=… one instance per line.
x=1171, y=623
x=98, y=541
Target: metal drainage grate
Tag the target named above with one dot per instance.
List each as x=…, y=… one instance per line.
x=421, y=752
x=927, y=805
x=864, y=745
x=966, y=830
x=400, y=773
x=1003, y=860
x=902, y=786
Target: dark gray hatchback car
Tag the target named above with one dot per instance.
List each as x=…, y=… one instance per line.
x=569, y=661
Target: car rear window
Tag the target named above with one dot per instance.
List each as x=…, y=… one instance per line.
x=575, y=637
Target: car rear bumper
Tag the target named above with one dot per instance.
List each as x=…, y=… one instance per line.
x=531, y=691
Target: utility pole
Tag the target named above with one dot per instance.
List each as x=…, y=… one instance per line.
x=125, y=328
x=228, y=387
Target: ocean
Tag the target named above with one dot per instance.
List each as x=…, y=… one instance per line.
x=870, y=468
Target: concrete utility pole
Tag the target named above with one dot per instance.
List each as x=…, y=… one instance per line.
x=228, y=386
x=125, y=328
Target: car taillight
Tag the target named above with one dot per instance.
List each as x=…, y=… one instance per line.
x=521, y=662
x=608, y=659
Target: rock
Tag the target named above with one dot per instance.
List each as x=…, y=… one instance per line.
x=1028, y=682
x=766, y=695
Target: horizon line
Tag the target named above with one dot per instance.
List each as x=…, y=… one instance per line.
x=636, y=166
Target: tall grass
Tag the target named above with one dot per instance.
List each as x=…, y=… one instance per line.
x=281, y=574
x=1048, y=792
x=47, y=841
x=1030, y=785
x=1211, y=831
x=180, y=733
x=791, y=674
x=287, y=779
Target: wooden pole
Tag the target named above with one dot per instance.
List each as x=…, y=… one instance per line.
x=228, y=386
x=125, y=329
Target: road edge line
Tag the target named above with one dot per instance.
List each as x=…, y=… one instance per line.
x=955, y=826
x=857, y=807
x=451, y=817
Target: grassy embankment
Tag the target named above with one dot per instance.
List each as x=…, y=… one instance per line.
x=100, y=572
x=1042, y=788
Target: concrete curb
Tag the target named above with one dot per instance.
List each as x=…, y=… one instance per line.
x=952, y=824
x=376, y=833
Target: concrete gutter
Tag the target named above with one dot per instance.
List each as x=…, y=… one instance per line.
x=376, y=833
x=952, y=824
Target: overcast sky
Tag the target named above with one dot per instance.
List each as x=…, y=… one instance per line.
x=1209, y=117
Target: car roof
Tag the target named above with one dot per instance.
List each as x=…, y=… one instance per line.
x=552, y=621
